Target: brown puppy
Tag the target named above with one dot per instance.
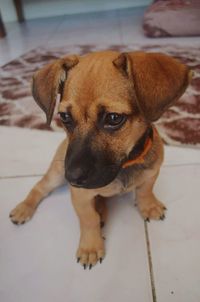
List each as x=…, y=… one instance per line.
x=108, y=102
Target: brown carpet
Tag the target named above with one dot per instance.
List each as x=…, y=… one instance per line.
x=180, y=125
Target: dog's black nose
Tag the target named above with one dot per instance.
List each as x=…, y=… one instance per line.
x=77, y=176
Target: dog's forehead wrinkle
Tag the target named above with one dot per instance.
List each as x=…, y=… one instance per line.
x=101, y=56
x=96, y=82
x=93, y=87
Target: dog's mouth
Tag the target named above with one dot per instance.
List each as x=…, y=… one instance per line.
x=91, y=171
x=88, y=168
x=92, y=179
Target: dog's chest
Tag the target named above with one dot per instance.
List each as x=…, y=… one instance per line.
x=126, y=181
x=129, y=177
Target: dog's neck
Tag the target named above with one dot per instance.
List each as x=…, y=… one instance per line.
x=141, y=148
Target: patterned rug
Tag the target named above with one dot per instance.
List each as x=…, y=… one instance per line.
x=179, y=126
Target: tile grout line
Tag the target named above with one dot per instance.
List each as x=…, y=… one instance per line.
x=120, y=28
x=56, y=29
x=20, y=176
x=36, y=175
x=153, y=289
x=178, y=165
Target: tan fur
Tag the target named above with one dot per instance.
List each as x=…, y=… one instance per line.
x=138, y=84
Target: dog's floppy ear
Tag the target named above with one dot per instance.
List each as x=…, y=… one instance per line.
x=159, y=80
x=49, y=81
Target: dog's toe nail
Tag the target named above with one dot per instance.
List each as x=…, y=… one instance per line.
x=78, y=259
x=103, y=238
x=162, y=217
x=100, y=260
x=102, y=223
x=11, y=215
x=165, y=208
x=23, y=222
x=84, y=266
x=90, y=266
x=15, y=222
x=147, y=219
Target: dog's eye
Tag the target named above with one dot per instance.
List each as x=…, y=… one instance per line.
x=66, y=118
x=114, y=120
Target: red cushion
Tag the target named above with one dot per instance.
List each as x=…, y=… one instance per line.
x=166, y=18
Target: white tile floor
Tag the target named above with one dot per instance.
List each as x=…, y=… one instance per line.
x=37, y=260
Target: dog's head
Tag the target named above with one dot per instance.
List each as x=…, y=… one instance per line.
x=107, y=102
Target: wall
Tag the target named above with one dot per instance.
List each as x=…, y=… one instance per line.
x=7, y=10
x=45, y=8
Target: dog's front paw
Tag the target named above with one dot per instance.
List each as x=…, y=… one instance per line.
x=90, y=251
x=22, y=213
x=152, y=209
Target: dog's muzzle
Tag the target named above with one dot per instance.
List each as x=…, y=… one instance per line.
x=89, y=169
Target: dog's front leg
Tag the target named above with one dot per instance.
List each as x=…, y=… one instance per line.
x=54, y=177
x=149, y=206
x=91, y=245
